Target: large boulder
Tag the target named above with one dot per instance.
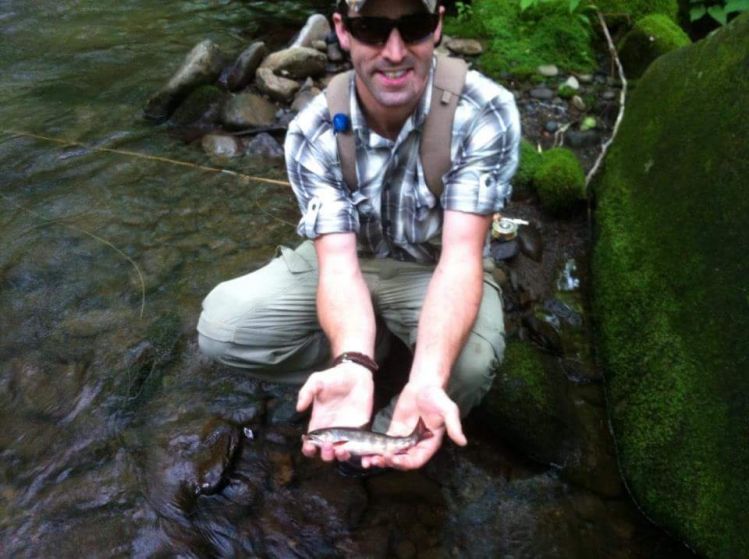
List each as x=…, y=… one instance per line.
x=296, y=63
x=671, y=291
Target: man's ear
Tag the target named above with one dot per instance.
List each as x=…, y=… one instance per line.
x=438, y=31
x=344, y=39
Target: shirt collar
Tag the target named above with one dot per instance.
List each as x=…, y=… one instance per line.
x=417, y=118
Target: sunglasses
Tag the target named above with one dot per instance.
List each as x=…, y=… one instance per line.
x=413, y=28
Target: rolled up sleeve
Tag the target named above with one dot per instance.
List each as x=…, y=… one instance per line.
x=315, y=176
x=486, y=160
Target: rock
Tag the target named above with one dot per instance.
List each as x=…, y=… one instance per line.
x=320, y=45
x=201, y=105
x=503, y=250
x=202, y=65
x=548, y=70
x=674, y=315
x=578, y=103
x=465, y=47
x=303, y=98
x=276, y=87
x=651, y=37
x=542, y=93
x=560, y=181
x=530, y=242
x=296, y=63
x=220, y=145
x=572, y=83
x=316, y=29
x=219, y=443
x=609, y=95
x=243, y=71
x=265, y=145
x=551, y=126
x=333, y=48
x=247, y=110
x=585, y=78
x=582, y=138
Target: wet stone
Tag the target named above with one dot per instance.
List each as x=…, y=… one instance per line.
x=548, y=70
x=296, y=63
x=276, y=87
x=220, y=442
x=531, y=242
x=551, y=126
x=264, y=145
x=542, y=93
x=582, y=139
x=243, y=71
x=464, y=47
x=316, y=29
x=247, y=110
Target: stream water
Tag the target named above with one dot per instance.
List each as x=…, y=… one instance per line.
x=117, y=438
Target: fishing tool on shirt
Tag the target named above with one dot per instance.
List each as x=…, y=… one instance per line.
x=504, y=245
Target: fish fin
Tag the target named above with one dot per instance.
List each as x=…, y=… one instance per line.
x=421, y=430
x=339, y=443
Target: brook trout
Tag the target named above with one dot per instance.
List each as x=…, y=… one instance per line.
x=360, y=442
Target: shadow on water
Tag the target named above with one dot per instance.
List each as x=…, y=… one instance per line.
x=117, y=437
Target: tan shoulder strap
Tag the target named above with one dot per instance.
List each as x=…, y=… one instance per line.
x=449, y=79
x=338, y=96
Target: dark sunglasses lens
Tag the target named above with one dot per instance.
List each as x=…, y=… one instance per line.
x=370, y=30
x=376, y=30
x=417, y=27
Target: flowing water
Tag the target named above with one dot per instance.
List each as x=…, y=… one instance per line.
x=116, y=438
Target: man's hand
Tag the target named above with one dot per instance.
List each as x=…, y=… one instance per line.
x=440, y=414
x=341, y=397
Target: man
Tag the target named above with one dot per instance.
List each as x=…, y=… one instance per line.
x=388, y=248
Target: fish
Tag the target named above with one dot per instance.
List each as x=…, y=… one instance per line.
x=361, y=442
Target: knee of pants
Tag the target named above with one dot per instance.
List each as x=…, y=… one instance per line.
x=473, y=372
x=213, y=349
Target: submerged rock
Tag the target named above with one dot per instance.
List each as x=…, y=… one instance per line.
x=220, y=145
x=202, y=65
x=670, y=291
x=264, y=145
x=243, y=71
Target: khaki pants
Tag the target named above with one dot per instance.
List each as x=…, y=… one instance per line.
x=266, y=322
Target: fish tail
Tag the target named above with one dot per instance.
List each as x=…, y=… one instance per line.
x=421, y=431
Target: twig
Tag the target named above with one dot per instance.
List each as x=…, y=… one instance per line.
x=622, y=100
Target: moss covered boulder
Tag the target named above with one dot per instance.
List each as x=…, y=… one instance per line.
x=671, y=290
x=560, y=181
x=651, y=37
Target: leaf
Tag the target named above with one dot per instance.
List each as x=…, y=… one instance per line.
x=525, y=4
x=736, y=6
x=573, y=5
x=718, y=14
x=697, y=12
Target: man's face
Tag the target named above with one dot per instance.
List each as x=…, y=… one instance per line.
x=394, y=74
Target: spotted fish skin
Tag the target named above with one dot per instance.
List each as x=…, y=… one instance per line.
x=361, y=442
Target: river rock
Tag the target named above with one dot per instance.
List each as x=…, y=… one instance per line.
x=674, y=314
x=276, y=87
x=320, y=45
x=465, y=47
x=542, y=93
x=247, y=110
x=316, y=28
x=296, y=62
x=264, y=145
x=304, y=97
x=220, y=145
x=202, y=105
x=578, y=103
x=202, y=65
x=572, y=82
x=333, y=48
x=582, y=138
x=243, y=71
x=548, y=70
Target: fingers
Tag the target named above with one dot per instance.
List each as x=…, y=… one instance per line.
x=307, y=393
x=454, y=427
x=449, y=414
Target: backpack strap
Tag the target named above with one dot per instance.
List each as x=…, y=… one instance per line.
x=338, y=95
x=449, y=79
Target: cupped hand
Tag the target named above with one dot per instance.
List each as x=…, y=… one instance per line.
x=340, y=397
x=440, y=415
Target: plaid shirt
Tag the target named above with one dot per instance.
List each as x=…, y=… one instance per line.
x=393, y=212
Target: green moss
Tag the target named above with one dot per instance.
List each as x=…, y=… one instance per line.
x=530, y=161
x=636, y=9
x=519, y=42
x=566, y=92
x=560, y=181
x=670, y=273
x=651, y=37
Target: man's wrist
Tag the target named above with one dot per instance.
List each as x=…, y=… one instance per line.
x=358, y=358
